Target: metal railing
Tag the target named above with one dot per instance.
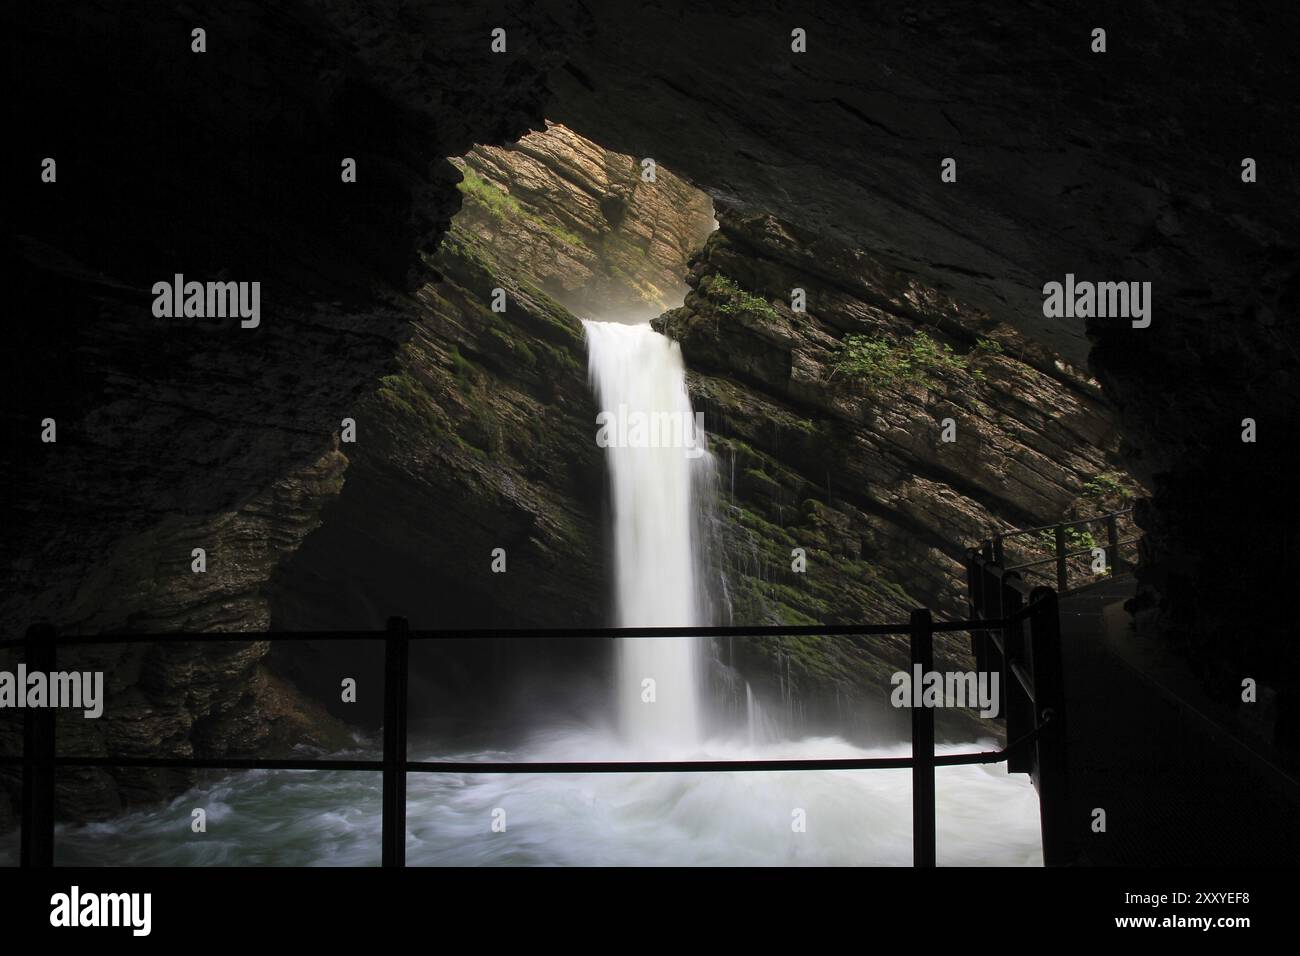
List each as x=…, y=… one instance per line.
x=1059, y=533
x=1026, y=639
x=1034, y=702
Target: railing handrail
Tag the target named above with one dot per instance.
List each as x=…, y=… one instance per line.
x=522, y=633
x=1033, y=688
x=39, y=758
x=995, y=550
x=1059, y=524
x=533, y=766
x=1050, y=559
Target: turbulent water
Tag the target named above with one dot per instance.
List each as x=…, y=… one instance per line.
x=854, y=817
x=985, y=816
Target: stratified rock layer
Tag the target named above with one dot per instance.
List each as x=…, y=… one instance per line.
x=585, y=223
x=481, y=443
x=858, y=474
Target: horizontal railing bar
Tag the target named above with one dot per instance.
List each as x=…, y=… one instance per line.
x=699, y=766
x=1050, y=575
x=1069, y=554
x=1051, y=559
x=773, y=630
x=1031, y=564
x=199, y=763
x=577, y=767
x=1062, y=524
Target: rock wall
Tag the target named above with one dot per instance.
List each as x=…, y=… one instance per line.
x=181, y=433
x=483, y=438
x=1117, y=166
x=583, y=222
x=855, y=473
x=166, y=419
x=178, y=700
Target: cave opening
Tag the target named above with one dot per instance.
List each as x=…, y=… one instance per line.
x=481, y=453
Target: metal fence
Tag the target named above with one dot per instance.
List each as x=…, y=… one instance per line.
x=1014, y=631
x=1057, y=538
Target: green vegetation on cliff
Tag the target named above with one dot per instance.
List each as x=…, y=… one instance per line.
x=1109, y=489
x=500, y=205
x=886, y=361
x=730, y=299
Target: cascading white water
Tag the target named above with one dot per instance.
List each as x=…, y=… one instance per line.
x=640, y=383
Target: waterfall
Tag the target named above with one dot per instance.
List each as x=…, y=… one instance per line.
x=656, y=463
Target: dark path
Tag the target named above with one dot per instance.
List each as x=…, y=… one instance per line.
x=1176, y=790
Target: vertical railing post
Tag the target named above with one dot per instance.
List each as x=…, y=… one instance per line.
x=1112, y=543
x=37, y=841
x=1049, y=770
x=923, y=822
x=973, y=595
x=974, y=603
x=396, y=666
x=992, y=588
x=1062, y=567
x=998, y=556
x=1017, y=708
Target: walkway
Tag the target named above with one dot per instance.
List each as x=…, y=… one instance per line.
x=1177, y=790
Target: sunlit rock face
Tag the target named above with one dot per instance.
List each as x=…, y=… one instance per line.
x=484, y=436
x=585, y=222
